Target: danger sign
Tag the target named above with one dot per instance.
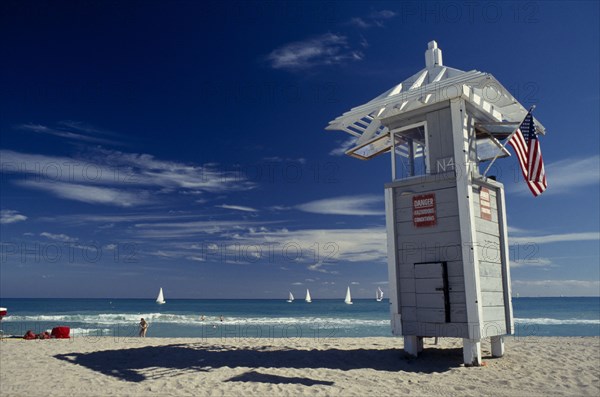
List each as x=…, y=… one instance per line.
x=424, y=210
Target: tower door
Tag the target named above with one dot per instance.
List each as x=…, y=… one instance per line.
x=432, y=292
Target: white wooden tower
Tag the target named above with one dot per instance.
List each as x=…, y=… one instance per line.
x=448, y=255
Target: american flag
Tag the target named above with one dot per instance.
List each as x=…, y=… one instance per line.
x=527, y=147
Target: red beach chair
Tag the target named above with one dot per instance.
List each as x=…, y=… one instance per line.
x=61, y=332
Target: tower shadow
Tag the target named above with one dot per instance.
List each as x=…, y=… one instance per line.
x=139, y=364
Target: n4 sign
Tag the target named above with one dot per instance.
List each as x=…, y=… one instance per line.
x=424, y=210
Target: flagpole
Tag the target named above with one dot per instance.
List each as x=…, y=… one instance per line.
x=506, y=142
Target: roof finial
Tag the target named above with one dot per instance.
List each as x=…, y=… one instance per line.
x=433, y=55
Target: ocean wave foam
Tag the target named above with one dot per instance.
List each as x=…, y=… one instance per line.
x=187, y=319
x=556, y=321
x=91, y=332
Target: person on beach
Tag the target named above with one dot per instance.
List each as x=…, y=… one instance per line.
x=202, y=317
x=143, y=328
x=221, y=318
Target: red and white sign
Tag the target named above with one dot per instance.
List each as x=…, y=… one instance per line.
x=424, y=210
x=485, y=206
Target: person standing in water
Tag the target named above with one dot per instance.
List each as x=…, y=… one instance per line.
x=143, y=328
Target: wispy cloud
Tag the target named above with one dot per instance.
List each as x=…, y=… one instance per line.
x=89, y=194
x=222, y=229
x=117, y=178
x=327, y=49
x=71, y=130
x=334, y=245
x=59, y=237
x=556, y=238
x=237, y=208
x=11, y=216
x=321, y=268
x=535, y=262
x=320, y=250
x=374, y=19
x=197, y=258
x=80, y=219
x=343, y=146
x=568, y=176
x=277, y=159
x=556, y=287
x=346, y=205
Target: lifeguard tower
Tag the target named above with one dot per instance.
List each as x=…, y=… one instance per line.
x=448, y=255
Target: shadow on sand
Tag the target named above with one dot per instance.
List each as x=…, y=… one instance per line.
x=257, y=377
x=151, y=362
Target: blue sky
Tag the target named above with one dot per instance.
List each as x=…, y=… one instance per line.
x=182, y=145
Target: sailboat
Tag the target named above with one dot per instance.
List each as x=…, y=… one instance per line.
x=379, y=295
x=307, y=299
x=161, y=298
x=290, y=298
x=348, y=299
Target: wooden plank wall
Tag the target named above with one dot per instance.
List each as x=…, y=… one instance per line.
x=429, y=244
x=490, y=266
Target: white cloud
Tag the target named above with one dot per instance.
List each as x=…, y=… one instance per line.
x=165, y=254
x=117, y=178
x=536, y=262
x=319, y=249
x=197, y=258
x=280, y=208
x=556, y=287
x=59, y=237
x=80, y=219
x=277, y=159
x=169, y=230
x=89, y=194
x=69, y=130
x=375, y=18
x=343, y=146
x=327, y=49
x=345, y=205
x=556, y=238
x=297, y=283
x=11, y=216
x=319, y=267
x=565, y=176
x=569, y=176
x=334, y=245
x=237, y=208
x=516, y=230
x=355, y=283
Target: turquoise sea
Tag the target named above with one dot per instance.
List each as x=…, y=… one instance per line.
x=269, y=318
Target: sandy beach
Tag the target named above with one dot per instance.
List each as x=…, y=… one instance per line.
x=105, y=366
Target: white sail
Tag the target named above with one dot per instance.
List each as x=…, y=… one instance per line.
x=161, y=298
x=290, y=298
x=348, y=299
x=308, y=300
x=379, y=294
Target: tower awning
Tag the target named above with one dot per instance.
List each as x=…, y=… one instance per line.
x=494, y=105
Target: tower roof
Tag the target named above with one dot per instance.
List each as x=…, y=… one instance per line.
x=435, y=83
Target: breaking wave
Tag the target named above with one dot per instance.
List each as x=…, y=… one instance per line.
x=555, y=321
x=110, y=319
